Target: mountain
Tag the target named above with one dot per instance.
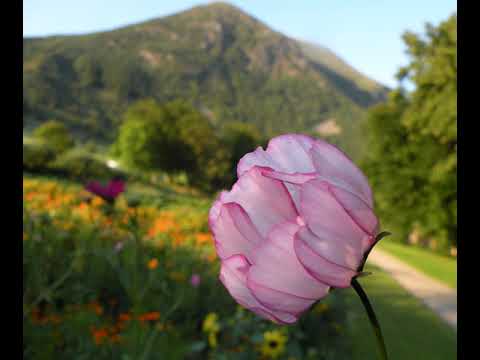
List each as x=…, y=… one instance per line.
x=230, y=65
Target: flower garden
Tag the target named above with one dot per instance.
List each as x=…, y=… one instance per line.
x=137, y=279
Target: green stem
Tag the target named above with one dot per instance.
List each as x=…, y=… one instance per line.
x=372, y=317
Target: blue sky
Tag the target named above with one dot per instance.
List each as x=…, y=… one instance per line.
x=365, y=33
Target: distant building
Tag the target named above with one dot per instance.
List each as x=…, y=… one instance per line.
x=328, y=128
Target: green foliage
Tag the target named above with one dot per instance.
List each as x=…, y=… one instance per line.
x=239, y=138
x=89, y=279
x=173, y=137
x=412, y=154
x=55, y=135
x=37, y=156
x=146, y=137
x=79, y=164
x=411, y=330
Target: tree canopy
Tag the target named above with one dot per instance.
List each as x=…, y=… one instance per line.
x=412, y=141
x=54, y=134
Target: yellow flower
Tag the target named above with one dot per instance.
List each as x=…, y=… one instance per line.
x=212, y=339
x=320, y=308
x=152, y=264
x=210, y=324
x=273, y=343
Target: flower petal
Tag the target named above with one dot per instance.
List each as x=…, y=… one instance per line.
x=233, y=275
x=338, y=238
x=277, y=279
x=288, y=153
x=318, y=266
x=215, y=209
x=361, y=213
x=292, y=182
x=234, y=232
x=336, y=167
x=266, y=201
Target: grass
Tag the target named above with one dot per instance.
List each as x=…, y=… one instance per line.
x=411, y=330
x=439, y=267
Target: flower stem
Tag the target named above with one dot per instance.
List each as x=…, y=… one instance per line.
x=372, y=317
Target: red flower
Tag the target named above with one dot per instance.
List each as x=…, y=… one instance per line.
x=109, y=192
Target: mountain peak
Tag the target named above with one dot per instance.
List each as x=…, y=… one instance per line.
x=220, y=6
x=216, y=55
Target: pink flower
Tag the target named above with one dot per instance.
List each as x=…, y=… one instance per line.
x=109, y=192
x=195, y=280
x=298, y=221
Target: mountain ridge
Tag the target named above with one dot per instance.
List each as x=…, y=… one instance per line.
x=216, y=55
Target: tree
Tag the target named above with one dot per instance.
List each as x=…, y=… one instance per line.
x=239, y=138
x=172, y=137
x=412, y=141
x=148, y=138
x=54, y=134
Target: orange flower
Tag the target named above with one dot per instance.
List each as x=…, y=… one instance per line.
x=38, y=317
x=95, y=306
x=153, y=264
x=124, y=317
x=99, y=335
x=203, y=238
x=161, y=225
x=178, y=239
x=83, y=206
x=30, y=196
x=54, y=319
x=211, y=257
x=97, y=201
x=150, y=316
x=115, y=338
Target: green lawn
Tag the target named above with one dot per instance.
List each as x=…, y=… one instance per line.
x=410, y=329
x=437, y=266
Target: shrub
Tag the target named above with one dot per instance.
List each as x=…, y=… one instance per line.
x=79, y=164
x=37, y=156
x=56, y=135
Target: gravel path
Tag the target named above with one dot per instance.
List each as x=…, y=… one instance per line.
x=439, y=297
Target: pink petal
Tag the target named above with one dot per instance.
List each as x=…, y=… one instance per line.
x=335, y=167
x=360, y=212
x=293, y=178
x=292, y=182
x=259, y=157
x=266, y=201
x=338, y=238
x=215, y=209
x=233, y=275
x=277, y=279
x=288, y=153
x=234, y=232
x=320, y=267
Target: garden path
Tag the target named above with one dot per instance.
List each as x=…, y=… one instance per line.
x=439, y=297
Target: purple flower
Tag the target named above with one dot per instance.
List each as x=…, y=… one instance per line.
x=298, y=221
x=109, y=192
x=195, y=280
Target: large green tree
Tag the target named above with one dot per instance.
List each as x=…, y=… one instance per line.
x=172, y=137
x=412, y=147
